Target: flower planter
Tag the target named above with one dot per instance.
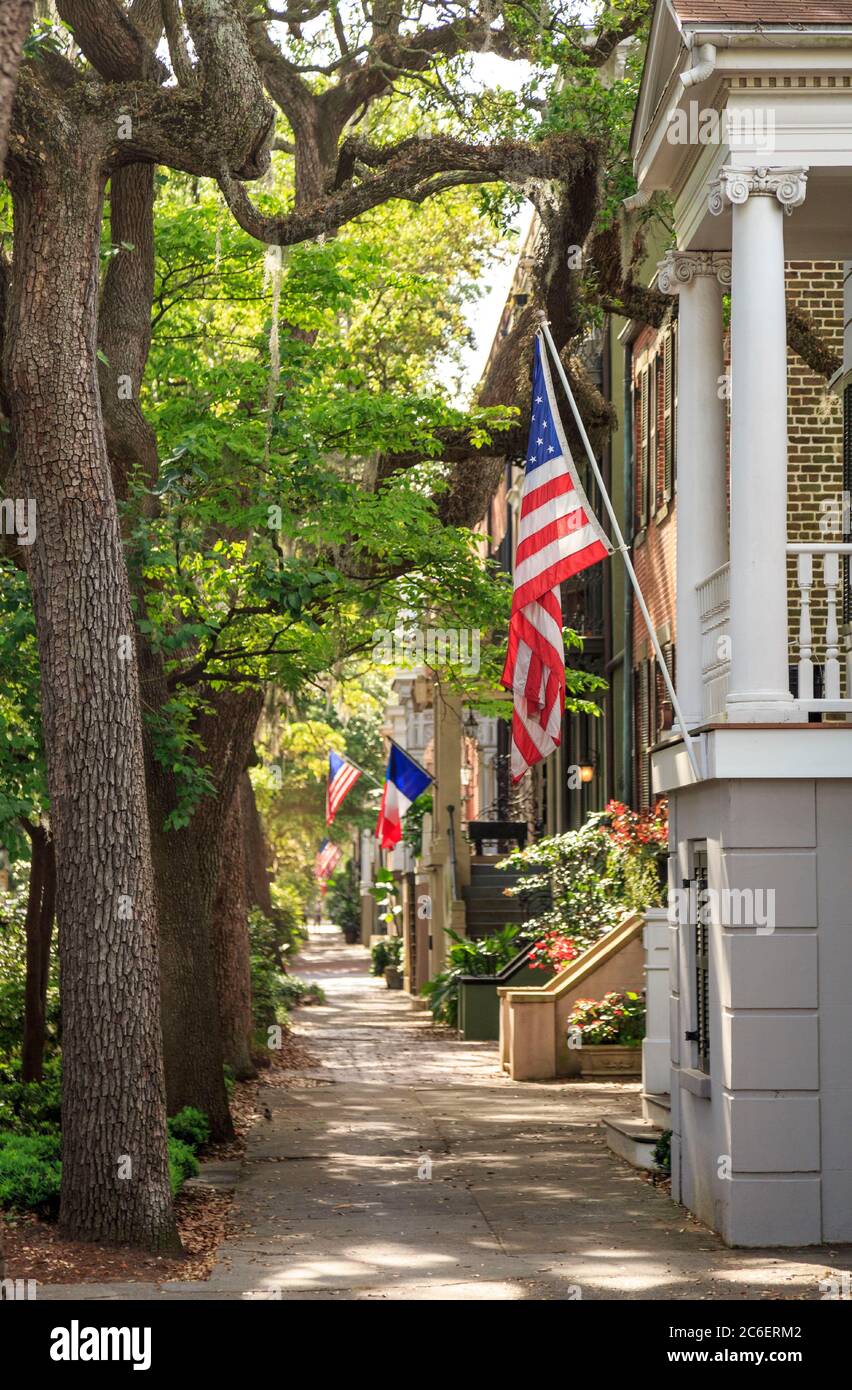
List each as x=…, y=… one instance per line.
x=393, y=977
x=610, y=1062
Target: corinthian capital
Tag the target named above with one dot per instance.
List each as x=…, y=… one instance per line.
x=679, y=269
x=736, y=186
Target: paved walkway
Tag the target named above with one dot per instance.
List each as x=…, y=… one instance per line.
x=408, y=1167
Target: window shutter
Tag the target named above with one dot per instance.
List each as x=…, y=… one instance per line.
x=665, y=713
x=644, y=449
x=653, y=713
x=653, y=440
x=668, y=416
x=643, y=722
x=847, y=490
x=675, y=351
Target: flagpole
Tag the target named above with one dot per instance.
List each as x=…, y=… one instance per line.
x=688, y=740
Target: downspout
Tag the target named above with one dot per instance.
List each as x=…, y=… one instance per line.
x=702, y=69
x=627, y=683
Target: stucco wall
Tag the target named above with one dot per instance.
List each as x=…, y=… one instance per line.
x=762, y=1147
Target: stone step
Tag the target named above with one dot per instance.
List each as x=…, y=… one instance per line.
x=632, y=1139
x=481, y=907
x=657, y=1109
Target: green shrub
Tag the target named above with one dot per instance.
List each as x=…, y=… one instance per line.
x=613, y=865
x=379, y=956
x=617, y=1018
x=395, y=951
x=182, y=1164
x=191, y=1126
x=386, y=951
x=343, y=900
x=483, y=957
x=292, y=991
x=276, y=938
x=13, y=970
x=30, y=1107
x=662, y=1152
x=30, y=1171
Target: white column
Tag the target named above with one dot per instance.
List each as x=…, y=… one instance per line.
x=702, y=520
x=759, y=684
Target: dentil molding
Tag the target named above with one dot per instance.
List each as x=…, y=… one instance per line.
x=735, y=186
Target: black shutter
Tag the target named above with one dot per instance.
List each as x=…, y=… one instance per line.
x=702, y=964
x=643, y=722
x=644, y=446
x=847, y=493
x=668, y=415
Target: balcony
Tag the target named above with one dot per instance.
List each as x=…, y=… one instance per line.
x=817, y=671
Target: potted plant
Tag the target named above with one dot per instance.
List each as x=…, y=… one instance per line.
x=379, y=956
x=393, y=968
x=608, y=1033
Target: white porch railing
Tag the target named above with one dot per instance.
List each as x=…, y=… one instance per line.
x=818, y=563
x=714, y=608
x=830, y=558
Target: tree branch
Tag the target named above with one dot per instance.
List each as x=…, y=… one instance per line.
x=406, y=171
x=110, y=41
x=804, y=338
x=173, y=24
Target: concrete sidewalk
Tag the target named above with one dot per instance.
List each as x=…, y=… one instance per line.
x=408, y=1167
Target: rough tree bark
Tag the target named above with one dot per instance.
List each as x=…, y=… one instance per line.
x=231, y=948
x=41, y=906
x=256, y=850
x=115, y=1182
x=193, y=1052
x=15, y=16
x=70, y=130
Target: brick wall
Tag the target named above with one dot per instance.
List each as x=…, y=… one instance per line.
x=815, y=428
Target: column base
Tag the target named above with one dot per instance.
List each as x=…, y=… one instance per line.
x=763, y=707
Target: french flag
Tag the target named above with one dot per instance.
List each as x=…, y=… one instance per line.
x=404, y=781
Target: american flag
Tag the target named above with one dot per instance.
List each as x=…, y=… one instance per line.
x=327, y=860
x=559, y=536
x=342, y=776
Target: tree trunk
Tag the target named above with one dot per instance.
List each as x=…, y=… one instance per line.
x=115, y=1181
x=41, y=904
x=15, y=16
x=190, y=1015
x=187, y=864
x=256, y=850
x=231, y=947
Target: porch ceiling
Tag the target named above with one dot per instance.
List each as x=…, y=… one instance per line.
x=821, y=229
